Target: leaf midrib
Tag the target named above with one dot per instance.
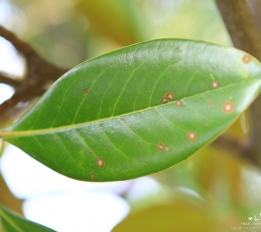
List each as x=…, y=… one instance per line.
x=9, y=134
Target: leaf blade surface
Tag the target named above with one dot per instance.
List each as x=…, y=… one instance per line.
x=15, y=223
x=137, y=110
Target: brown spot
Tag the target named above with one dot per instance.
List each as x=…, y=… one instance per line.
x=89, y=152
x=167, y=149
x=86, y=90
x=192, y=137
x=178, y=103
x=228, y=107
x=210, y=103
x=160, y=147
x=164, y=99
x=170, y=95
x=247, y=59
x=214, y=84
x=93, y=175
x=100, y=162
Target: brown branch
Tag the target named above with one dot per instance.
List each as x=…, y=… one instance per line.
x=39, y=73
x=20, y=46
x=243, y=32
x=255, y=8
x=240, y=25
x=9, y=81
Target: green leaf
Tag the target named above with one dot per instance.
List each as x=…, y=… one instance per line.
x=113, y=18
x=174, y=216
x=137, y=110
x=14, y=223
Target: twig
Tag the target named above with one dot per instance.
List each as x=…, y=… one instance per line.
x=255, y=7
x=39, y=72
x=9, y=81
x=20, y=46
x=243, y=32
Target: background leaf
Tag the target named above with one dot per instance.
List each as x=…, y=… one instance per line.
x=14, y=223
x=116, y=19
x=137, y=110
x=169, y=217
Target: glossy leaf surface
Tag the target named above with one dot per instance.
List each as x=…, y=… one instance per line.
x=15, y=223
x=137, y=110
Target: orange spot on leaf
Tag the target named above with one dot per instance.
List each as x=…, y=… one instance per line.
x=100, y=162
x=160, y=147
x=92, y=175
x=170, y=95
x=89, y=152
x=214, y=84
x=164, y=99
x=86, y=90
x=228, y=107
x=167, y=149
x=247, y=59
x=178, y=103
x=210, y=103
x=192, y=137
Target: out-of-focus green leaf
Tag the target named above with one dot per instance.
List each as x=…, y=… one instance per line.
x=137, y=110
x=14, y=223
x=7, y=198
x=175, y=216
x=113, y=18
x=2, y=147
x=226, y=185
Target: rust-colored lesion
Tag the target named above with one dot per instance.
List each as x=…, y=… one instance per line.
x=167, y=97
x=170, y=96
x=164, y=99
x=210, y=103
x=100, y=162
x=214, y=84
x=192, y=136
x=160, y=146
x=178, y=103
x=247, y=59
x=86, y=90
x=228, y=107
x=92, y=175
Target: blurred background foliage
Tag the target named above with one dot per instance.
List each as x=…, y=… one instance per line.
x=211, y=191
